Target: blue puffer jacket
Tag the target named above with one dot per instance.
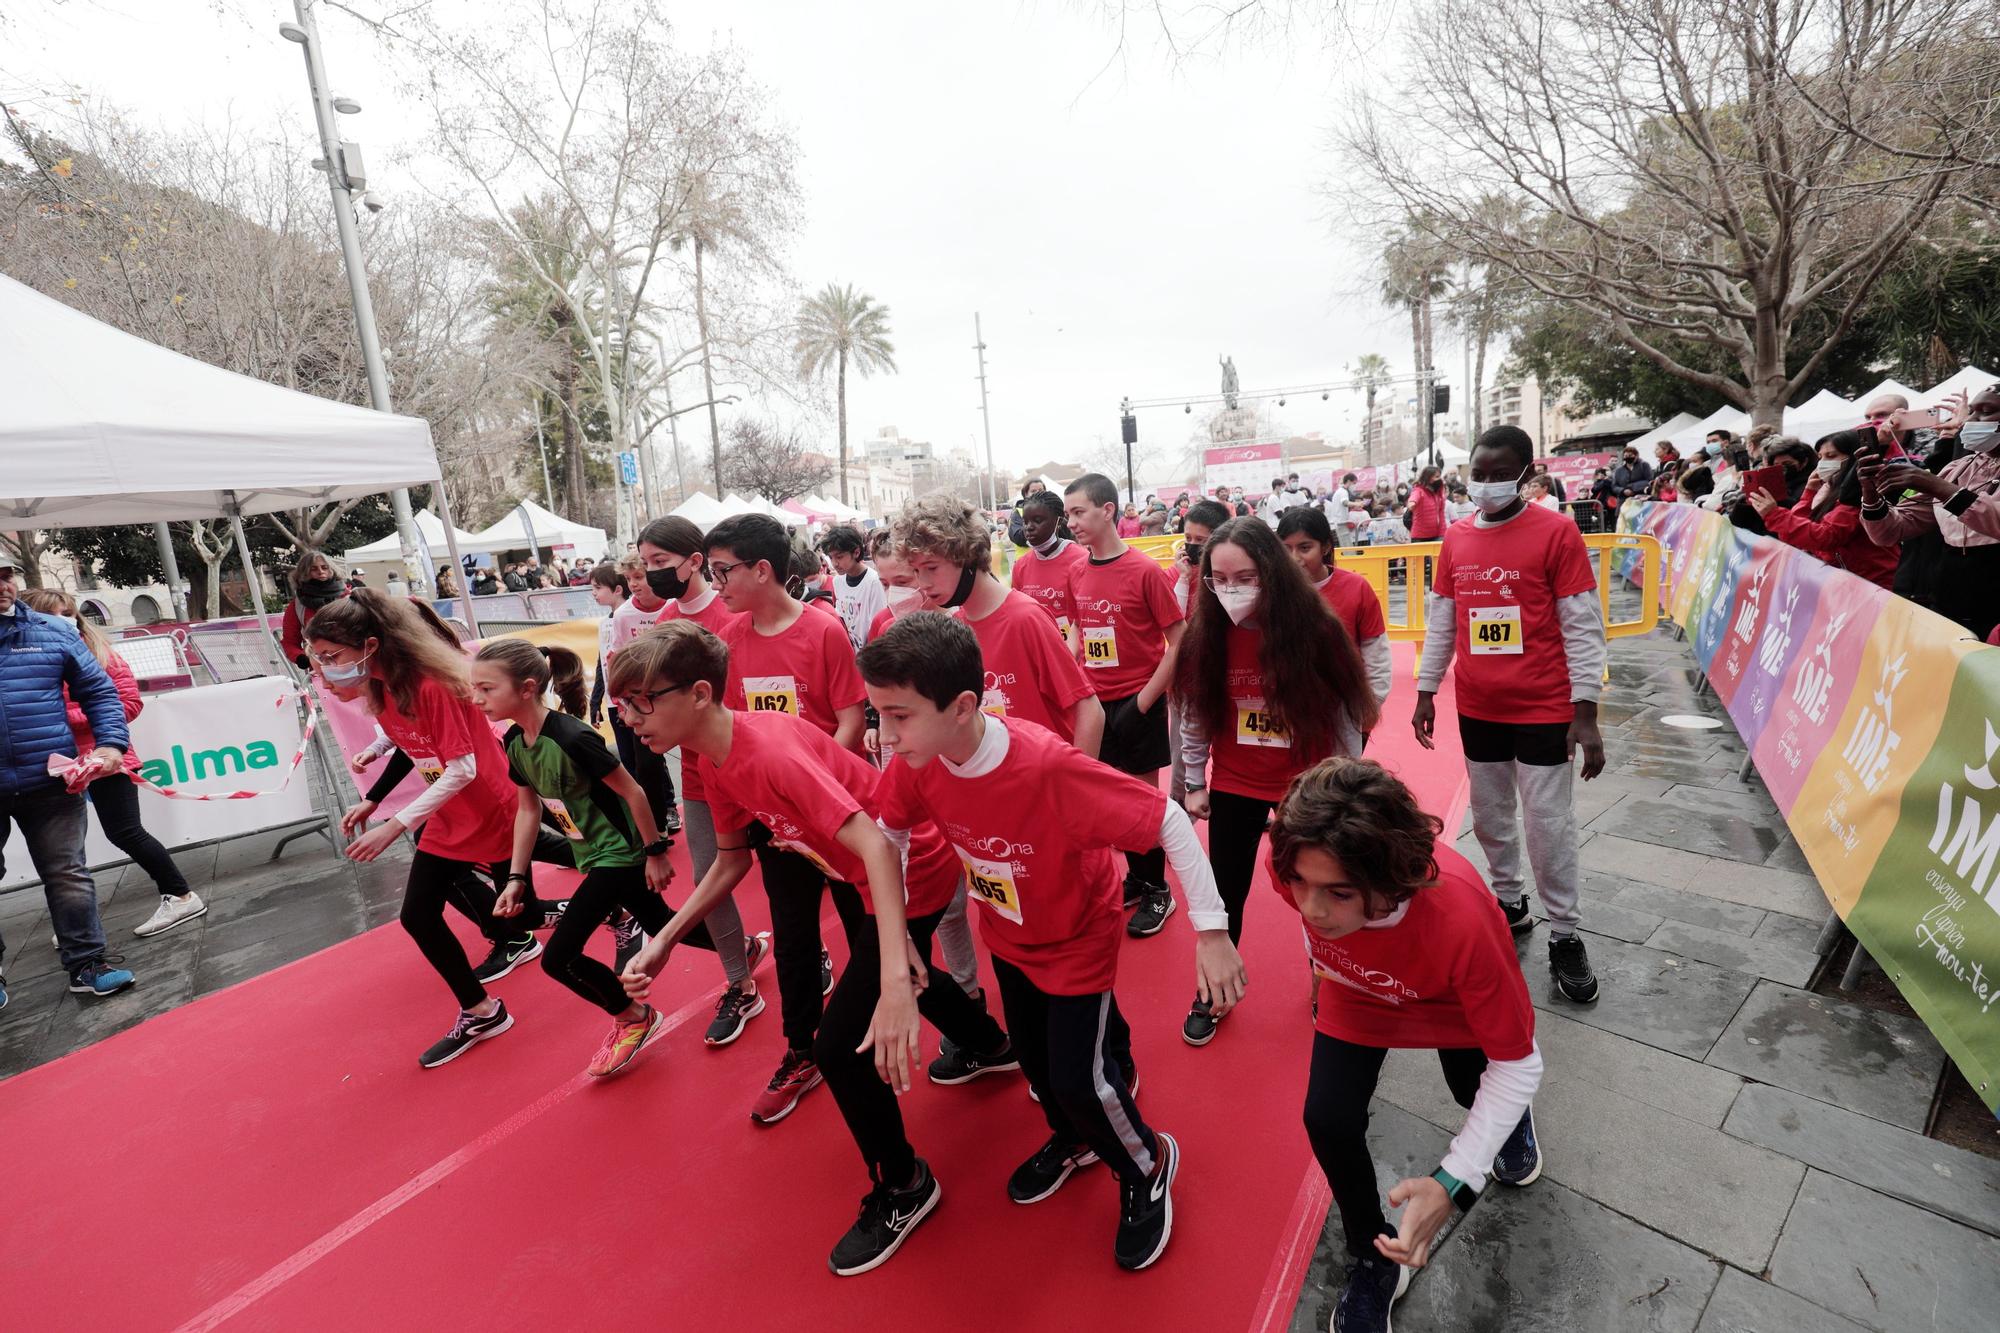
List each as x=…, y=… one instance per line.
x=39, y=655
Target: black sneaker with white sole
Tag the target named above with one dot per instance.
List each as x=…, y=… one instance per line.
x=1519, y=919
x=467, y=1032
x=735, y=1009
x=1570, y=965
x=888, y=1216
x=506, y=956
x=962, y=1066
x=1135, y=892
x=1154, y=908
x=825, y=973
x=1199, y=1029
x=1146, y=1209
x=1043, y=1174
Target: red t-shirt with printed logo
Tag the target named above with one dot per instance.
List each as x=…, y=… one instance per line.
x=1046, y=579
x=1039, y=837
x=807, y=670
x=1030, y=672
x=1251, y=756
x=1359, y=609
x=1124, y=607
x=1444, y=977
x=477, y=823
x=790, y=777
x=883, y=619
x=715, y=618
x=1504, y=583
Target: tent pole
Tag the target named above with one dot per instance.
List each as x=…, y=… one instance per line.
x=458, y=565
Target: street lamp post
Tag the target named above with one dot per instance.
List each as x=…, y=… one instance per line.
x=346, y=179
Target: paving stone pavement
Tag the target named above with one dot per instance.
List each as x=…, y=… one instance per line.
x=1724, y=1152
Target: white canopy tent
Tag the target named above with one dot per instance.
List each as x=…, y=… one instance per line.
x=1971, y=381
x=432, y=530
x=1722, y=418
x=1679, y=421
x=733, y=504
x=826, y=505
x=701, y=509
x=511, y=532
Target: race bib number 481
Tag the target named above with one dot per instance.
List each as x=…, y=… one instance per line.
x=771, y=694
x=1100, y=645
x=1493, y=630
x=991, y=884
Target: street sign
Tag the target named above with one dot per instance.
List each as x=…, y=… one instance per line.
x=628, y=468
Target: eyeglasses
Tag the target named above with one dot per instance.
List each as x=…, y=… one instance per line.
x=641, y=704
x=719, y=571
x=1223, y=585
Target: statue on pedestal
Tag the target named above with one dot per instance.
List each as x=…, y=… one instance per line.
x=1229, y=383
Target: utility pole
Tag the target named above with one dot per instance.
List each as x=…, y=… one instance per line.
x=176, y=594
x=985, y=416
x=346, y=179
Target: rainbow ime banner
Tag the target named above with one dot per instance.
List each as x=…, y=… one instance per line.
x=1873, y=724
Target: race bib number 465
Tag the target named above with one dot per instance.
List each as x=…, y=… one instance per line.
x=771, y=694
x=1493, y=630
x=991, y=884
x=1100, y=645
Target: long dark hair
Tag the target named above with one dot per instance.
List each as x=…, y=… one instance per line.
x=1846, y=485
x=411, y=646
x=546, y=665
x=1307, y=656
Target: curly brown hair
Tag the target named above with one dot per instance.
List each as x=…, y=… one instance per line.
x=1361, y=815
x=945, y=526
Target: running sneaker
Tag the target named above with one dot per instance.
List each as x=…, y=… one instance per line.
x=1520, y=1159
x=1570, y=965
x=1518, y=918
x=1135, y=891
x=626, y=1040
x=171, y=912
x=627, y=939
x=946, y=1046
x=467, y=1032
x=506, y=956
x=797, y=1075
x=962, y=1066
x=1373, y=1285
x=1199, y=1029
x=1043, y=1174
x=552, y=913
x=1152, y=913
x=101, y=976
x=1146, y=1209
x=825, y=973
x=756, y=949
x=888, y=1216
x=732, y=1012
x=673, y=824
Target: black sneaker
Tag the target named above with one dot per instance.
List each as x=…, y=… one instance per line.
x=1571, y=968
x=627, y=939
x=505, y=957
x=1518, y=919
x=1153, y=911
x=1520, y=1159
x=888, y=1216
x=1373, y=1285
x=962, y=1066
x=552, y=913
x=1135, y=890
x=825, y=973
x=946, y=1046
x=673, y=824
x=1043, y=1174
x=732, y=1012
x=467, y=1032
x=1146, y=1209
x=1199, y=1029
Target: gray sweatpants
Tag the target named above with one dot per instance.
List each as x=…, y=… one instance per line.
x=954, y=935
x=725, y=923
x=1512, y=802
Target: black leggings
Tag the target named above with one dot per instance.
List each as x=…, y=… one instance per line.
x=1337, y=1092
x=1075, y=1050
x=1235, y=828
x=865, y=1101
x=795, y=886
x=117, y=800
x=437, y=880
x=603, y=891
x=647, y=767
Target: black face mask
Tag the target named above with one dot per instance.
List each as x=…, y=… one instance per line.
x=316, y=593
x=964, y=588
x=666, y=584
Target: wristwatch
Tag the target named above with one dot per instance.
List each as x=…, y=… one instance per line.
x=659, y=848
x=1462, y=1194
x=1961, y=500
x=1194, y=786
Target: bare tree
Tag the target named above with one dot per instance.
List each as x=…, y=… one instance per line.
x=771, y=461
x=1681, y=175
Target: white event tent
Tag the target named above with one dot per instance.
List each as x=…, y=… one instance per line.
x=701, y=509
x=511, y=532
x=429, y=526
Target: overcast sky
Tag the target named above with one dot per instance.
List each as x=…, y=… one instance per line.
x=1117, y=229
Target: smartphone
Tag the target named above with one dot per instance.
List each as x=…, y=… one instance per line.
x=1770, y=480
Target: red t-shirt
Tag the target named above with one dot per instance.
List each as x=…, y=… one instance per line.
x=791, y=778
x=1124, y=607
x=1445, y=977
x=1039, y=838
x=1355, y=603
x=1047, y=581
x=477, y=823
x=1250, y=756
x=807, y=670
x=1504, y=582
x=883, y=619
x=715, y=618
x=1426, y=515
x=1030, y=672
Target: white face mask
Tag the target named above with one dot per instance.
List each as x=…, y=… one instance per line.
x=1238, y=602
x=902, y=601
x=1982, y=437
x=1493, y=496
x=1829, y=468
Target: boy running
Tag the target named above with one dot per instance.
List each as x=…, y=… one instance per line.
x=1514, y=612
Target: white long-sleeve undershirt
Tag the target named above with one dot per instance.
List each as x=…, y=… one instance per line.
x=457, y=776
x=1505, y=1091
x=1381, y=675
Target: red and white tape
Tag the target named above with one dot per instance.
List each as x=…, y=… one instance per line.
x=78, y=774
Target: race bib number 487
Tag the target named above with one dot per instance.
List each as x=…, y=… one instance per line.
x=1493, y=630
x=771, y=694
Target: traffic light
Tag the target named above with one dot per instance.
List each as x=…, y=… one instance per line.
x=1130, y=425
x=1440, y=399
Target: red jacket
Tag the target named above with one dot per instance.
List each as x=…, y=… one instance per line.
x=292, y=631
x=128, y=695
x=1835, y=537
x=1426, y=515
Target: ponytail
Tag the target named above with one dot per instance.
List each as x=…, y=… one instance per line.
x=546, y=667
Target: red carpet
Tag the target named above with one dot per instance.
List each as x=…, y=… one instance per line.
x=272, y=1157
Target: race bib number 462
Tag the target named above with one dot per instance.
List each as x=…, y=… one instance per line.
x=991, y=884
x=1100, y=645
x=771, y=694
x=1493, y=630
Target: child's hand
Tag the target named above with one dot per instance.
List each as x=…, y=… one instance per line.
x=1219, y=976
x=1417, y=1230
x=637, y=978
x=871, y=740
x=361, y=761
x=509, y=903
x=659, y=872
x=895, y=1036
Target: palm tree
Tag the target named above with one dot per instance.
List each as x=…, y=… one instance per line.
x=837, y=326
x=1371, y=372
x=713, y=217
x=1413, y=276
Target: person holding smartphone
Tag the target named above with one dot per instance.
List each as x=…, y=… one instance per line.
x=1901, y=499
x=1826, y=521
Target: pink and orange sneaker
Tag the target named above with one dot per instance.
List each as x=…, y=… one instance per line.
x=625, y=1041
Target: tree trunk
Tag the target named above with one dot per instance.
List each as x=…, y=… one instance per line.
x=575, y=498
x=1767, y=371
x=1417, y=348
x=28, y=550
x=707, y=374
x=841, y=398
x=1476, y=409
x=1368, y=429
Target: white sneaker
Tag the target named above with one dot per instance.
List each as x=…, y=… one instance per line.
x=170, y=913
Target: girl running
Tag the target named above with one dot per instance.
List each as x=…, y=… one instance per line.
x=1411, y=953
x=378, y=646
x=557, y=762
x=1269, y=683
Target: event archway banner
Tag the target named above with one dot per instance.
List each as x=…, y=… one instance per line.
x=1873, y=724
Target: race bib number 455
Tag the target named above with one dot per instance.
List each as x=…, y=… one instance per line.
x=1100, y=645
x=1493, y=630
x=991, y=884
x=771, y=694
x=1256, y=726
